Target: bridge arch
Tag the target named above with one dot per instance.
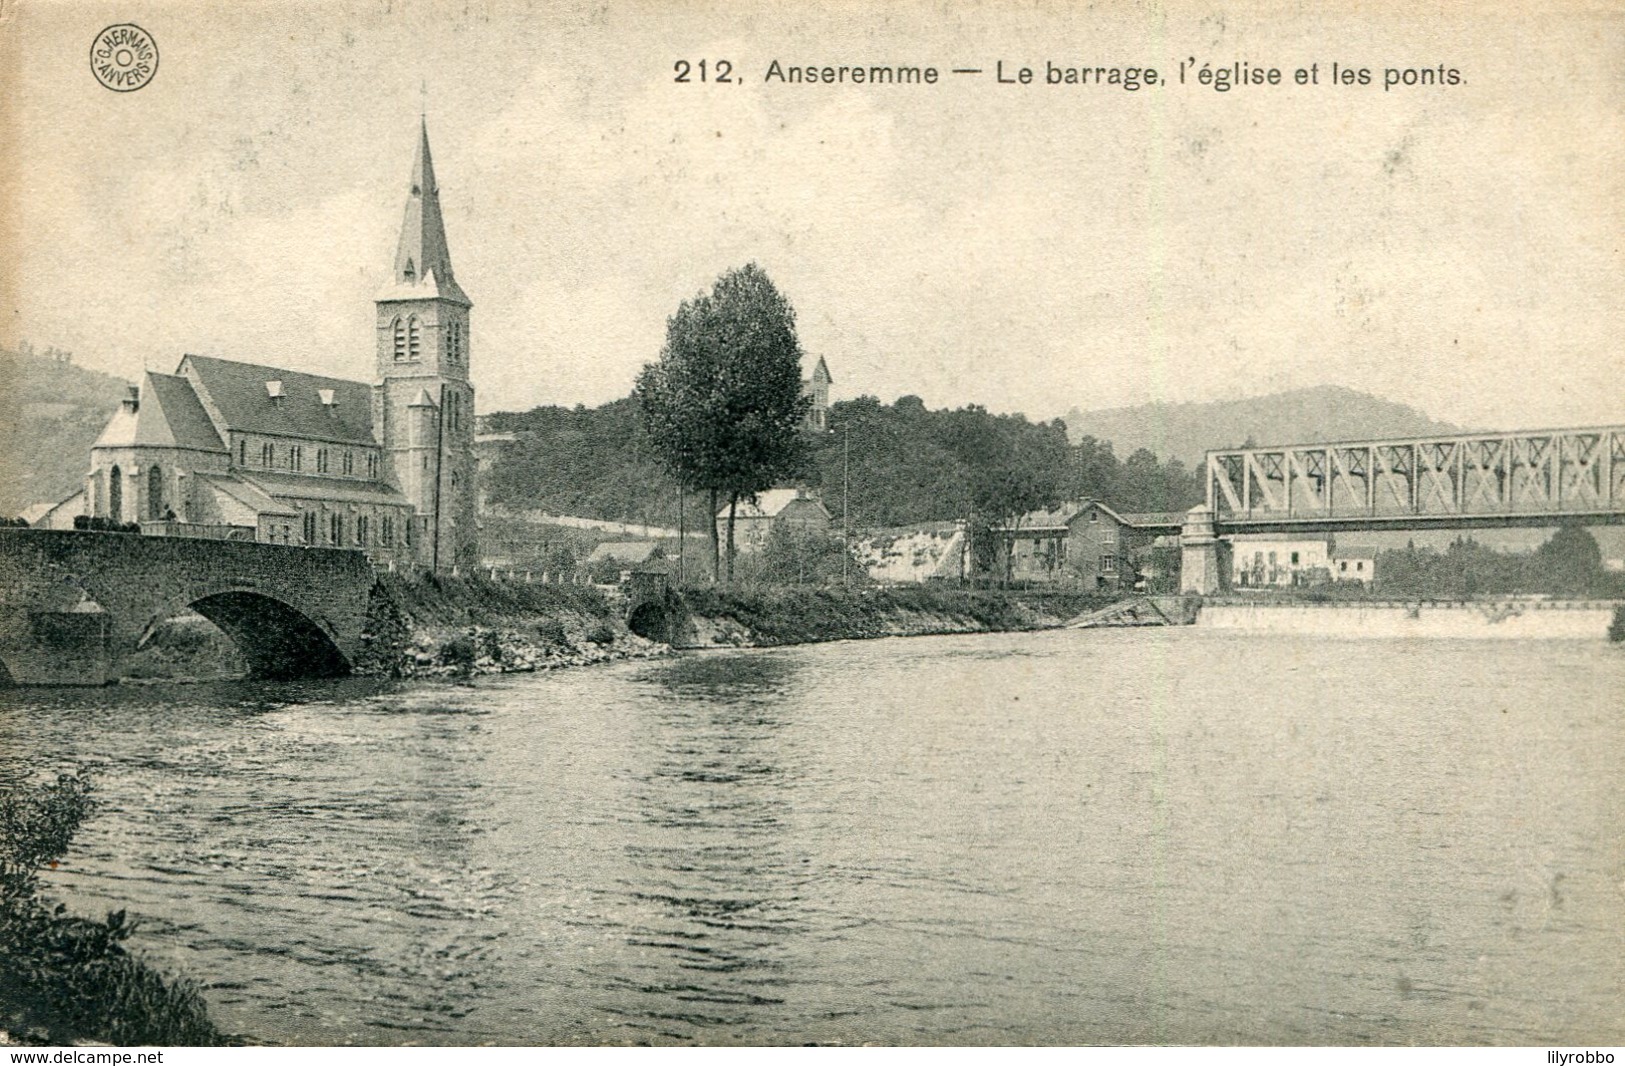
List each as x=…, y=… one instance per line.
x=275, y=638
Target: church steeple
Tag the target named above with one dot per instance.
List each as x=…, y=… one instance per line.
x=423, y=406
x=422, y=258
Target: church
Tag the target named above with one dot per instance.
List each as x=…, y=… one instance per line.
x=240, y=450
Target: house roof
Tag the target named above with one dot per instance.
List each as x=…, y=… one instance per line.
x=770, y=502
x=239, y=393
x=1154, y=518
x=630, y=551
x=336, y=490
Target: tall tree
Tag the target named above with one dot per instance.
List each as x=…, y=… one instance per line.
x=723, y=406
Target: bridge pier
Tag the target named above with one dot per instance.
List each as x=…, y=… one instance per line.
x=1200, y=567
x=57, y=647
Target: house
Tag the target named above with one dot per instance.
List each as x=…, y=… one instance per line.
x=245, y=450
x=790, y=510
x=1264, y=561
x=1081, y=544
x=626, y=558
x=1354, y=564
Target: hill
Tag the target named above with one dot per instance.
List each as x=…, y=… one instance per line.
x=51, y=412
x=891, y=465
x=1308, y=416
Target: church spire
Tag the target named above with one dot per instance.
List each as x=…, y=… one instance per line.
x=422, y=259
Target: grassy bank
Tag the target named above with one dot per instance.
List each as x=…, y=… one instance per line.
x=66, y=979
x=789, y=615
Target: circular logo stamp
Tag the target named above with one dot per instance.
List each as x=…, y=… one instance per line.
x=124, y=57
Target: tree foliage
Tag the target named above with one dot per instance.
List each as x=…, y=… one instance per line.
x=65, y=978
x=1567, y=565
x=723, y=406
x=904, y=464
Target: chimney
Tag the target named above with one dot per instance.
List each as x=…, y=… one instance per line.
x=273, y=389
x=132, y=399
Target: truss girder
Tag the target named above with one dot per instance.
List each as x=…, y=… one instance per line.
x=1540, y=473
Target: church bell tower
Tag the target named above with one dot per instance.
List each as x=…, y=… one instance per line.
x=423, y=403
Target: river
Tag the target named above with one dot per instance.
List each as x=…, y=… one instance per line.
x=1144, y=836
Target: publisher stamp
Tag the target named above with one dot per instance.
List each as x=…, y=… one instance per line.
x=124, y=57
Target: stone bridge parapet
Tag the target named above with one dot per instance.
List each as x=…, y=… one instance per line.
x=73, y=604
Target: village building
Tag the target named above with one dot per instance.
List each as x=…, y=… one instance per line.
x=790, y=510
x=625, y=558
x=1354, y=564
x=1082, y=544
x=1265, y=561
x=222, y=448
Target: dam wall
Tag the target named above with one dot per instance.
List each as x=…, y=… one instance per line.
x=1486, y=620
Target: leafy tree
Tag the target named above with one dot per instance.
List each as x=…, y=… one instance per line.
x=723, y=406
x=1570, y=564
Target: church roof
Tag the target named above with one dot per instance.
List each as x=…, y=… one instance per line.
x=422, y=258
x=251, y=496
x=181, y=420
x=821, y=372
x=242, y=394
x=336, y=490
x=169, y=416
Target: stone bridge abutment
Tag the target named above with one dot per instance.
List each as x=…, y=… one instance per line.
x=73, y=604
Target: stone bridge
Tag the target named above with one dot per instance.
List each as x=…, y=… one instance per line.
x=73, y=604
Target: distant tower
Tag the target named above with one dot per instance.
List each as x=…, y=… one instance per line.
x=423, y=404
x=817, y=389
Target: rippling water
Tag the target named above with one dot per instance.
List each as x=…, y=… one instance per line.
x=1144, y=836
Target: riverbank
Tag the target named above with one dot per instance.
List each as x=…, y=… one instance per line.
x=430, y=625
x=439, y=626
x=773, y=616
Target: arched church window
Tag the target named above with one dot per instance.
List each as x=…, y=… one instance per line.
x=400, y=340
x=115, y=495
x=155, y=493
x=411, y=274
x=414, y=337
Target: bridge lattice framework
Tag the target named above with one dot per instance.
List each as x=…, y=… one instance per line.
x=1535, y=477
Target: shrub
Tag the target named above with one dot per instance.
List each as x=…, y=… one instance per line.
x=65, y=979
x=458, y=652
x=1616, y=631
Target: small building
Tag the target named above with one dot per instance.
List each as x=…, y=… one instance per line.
x=1263, y=561
x=59, y=515
x=1083, y=544
x=1354, y=564
x=626, y=558
x=789, y=510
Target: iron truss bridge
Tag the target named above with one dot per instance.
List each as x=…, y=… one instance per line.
x=1481, y=480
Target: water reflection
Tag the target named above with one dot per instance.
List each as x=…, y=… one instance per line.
x=718, y=870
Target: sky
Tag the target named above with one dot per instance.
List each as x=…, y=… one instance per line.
x=1029, y=248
